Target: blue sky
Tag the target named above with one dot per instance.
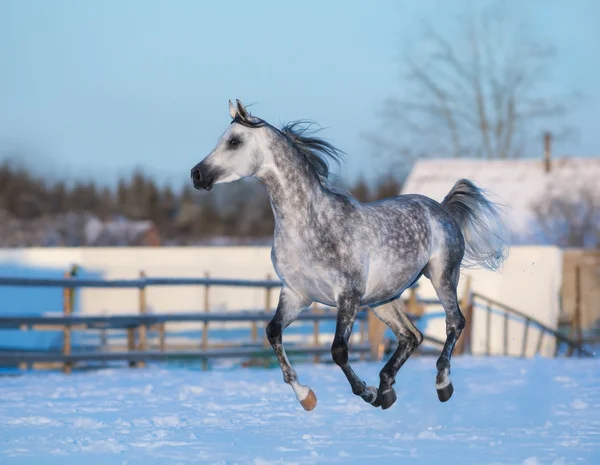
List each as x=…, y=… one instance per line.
x=91, y=89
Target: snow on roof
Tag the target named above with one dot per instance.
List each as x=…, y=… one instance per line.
x=517, y=184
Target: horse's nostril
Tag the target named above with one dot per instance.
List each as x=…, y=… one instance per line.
x=196, y=175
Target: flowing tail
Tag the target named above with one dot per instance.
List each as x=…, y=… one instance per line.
x=481, y=224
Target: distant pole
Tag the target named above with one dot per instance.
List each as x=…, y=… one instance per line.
x=547, y=152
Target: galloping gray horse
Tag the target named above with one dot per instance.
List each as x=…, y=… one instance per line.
x=330, y=248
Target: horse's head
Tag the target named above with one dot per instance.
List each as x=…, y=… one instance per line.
x=239, y=153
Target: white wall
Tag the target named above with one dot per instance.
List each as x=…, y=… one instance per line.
x=530, y=281
x=127, y=262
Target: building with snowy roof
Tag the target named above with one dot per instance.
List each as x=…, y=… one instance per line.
x=545, y=202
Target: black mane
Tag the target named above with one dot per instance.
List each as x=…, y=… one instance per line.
x=316, y=151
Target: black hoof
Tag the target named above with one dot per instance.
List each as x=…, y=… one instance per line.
x=388, y=399
x=445, y=393
x=378, y=401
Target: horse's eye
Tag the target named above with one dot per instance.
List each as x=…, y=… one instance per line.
x=234, y=143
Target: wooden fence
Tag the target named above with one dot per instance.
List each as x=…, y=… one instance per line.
x=522, y=333
x=138, y=326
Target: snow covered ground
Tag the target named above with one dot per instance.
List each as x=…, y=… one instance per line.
x=504, y=411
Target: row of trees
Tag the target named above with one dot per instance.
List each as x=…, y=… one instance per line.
x=182, y=215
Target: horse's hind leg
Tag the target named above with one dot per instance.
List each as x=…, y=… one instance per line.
x=444, y=276
x=289, y=307
x=348, y=304
x=409, y=338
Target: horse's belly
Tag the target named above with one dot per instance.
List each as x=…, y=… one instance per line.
x=386, y=276
x=312, y=285
x=389, y=280
x=309, y=280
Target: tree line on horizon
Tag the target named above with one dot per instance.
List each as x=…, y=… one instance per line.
x=470, y=93
x=182, y=216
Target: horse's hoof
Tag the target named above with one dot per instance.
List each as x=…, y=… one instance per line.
x=310, y=401
x=388, y=398
x=378, y=400
x=445, y=392
x=370, y=395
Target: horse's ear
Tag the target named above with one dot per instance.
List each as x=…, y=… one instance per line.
x=242, y=110
x=232, y=111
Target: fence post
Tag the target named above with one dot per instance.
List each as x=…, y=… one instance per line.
x=376, y=332
x=467, y=309
x=143, y=329
x=538, y=347
x=576, y=324
x=362, y=329
x=131, y=343
x=67, y=311
x=525, y=336
x=162, y=337
x=104, y=334
x=414, y=307
x=205, y=328
x=254, y=324
x=267, y=310
x=24, y=365
x=468, y=332
x=316, y=331
x=104, y=338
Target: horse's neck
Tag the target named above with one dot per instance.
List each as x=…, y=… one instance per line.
x=295, y=195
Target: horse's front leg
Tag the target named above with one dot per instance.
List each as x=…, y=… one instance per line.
x=348, y=305
x=288, y=309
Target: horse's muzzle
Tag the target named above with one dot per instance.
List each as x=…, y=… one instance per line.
x=201, y=178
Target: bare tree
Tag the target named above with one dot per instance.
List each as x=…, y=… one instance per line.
x=476, y=93
x=570, y=219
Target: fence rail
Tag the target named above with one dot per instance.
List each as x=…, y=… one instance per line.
x=139, y=325
x=491, y=307
x=141, y=283
x=134, y=321
x=157, y=355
